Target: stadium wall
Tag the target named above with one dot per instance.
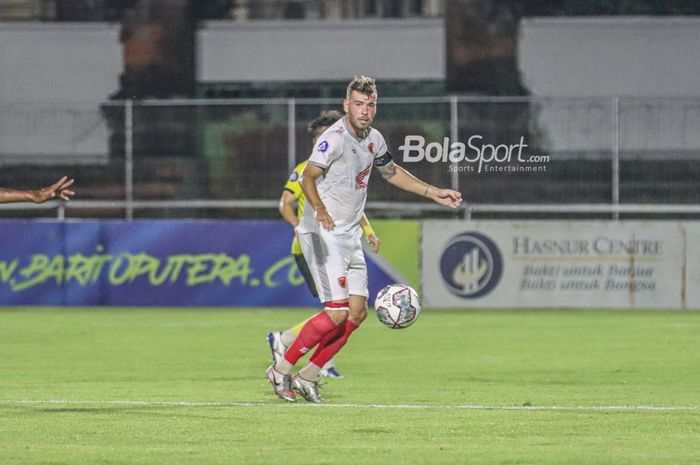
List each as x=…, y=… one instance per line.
x=53, y=79
x=652, y=59
x=603, y=56
x=281, y=51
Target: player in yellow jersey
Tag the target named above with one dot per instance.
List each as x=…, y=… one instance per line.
x=292, y=194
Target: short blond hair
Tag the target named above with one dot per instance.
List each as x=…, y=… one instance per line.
x=363, y=84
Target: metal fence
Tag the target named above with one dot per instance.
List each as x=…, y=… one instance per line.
x=550, y=157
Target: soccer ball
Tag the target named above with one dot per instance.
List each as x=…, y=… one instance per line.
x=397, y=306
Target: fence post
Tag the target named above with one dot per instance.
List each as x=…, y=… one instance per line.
x=616, y=158
x=291, y=135
x=454, y=134
x=129, y=159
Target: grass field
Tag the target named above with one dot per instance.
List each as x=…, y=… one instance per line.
x=170, y=386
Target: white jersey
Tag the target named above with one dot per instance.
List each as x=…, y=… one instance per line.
x=347, y=163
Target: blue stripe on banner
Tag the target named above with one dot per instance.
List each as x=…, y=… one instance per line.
x=173, y=263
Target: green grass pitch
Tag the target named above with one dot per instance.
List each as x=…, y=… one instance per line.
x=187, y=386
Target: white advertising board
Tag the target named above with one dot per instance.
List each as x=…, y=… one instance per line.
x=691, y=278
x=554, y=264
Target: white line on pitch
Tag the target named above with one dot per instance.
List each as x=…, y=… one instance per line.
x=190, y=404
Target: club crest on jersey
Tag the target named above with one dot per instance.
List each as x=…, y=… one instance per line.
x=323, y=146
x=342, y=281
x=370, y=147
x=361, y=178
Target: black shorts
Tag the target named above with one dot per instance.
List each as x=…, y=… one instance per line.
x=304, y=269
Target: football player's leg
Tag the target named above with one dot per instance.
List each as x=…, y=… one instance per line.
x=279, y=341
x=325, y=265
x=329, y=370
x=356, y=281
x=338, y=311
x=287, y=336
x=305, y=383
x=303, y=267
x=331, y=345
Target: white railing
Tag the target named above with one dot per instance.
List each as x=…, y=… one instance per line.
x=467, y=211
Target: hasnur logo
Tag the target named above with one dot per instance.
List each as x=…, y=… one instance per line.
x=471, y=265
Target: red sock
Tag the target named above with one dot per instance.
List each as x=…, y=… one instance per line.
x=332, y=345
x=332, y=336
x=313, y=331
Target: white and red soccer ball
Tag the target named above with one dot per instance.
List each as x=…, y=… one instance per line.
x=397, y=306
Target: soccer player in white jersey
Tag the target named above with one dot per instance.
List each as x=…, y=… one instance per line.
x=280, y=340
x=335, y=184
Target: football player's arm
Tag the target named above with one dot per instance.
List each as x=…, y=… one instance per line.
x=308, y=185
x=58, y=189
x=369, y=233
x=402, y=179
x=286, y=208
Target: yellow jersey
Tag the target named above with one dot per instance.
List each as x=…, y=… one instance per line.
x=294, y=186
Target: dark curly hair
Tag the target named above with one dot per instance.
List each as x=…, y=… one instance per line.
x=325, y=119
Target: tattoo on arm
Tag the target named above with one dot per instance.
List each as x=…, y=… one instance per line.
x=387, y=171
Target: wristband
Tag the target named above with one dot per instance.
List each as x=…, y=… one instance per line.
x=367, y=230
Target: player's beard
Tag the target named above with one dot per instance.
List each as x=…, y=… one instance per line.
x=360, y=132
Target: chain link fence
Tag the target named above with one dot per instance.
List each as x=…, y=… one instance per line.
x=230, y=158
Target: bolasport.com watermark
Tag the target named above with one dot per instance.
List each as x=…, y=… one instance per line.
x=475, y=156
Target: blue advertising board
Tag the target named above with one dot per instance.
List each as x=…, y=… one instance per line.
x=169, y=263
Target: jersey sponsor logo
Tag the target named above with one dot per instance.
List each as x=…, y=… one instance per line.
x=294, y=177
x=361, y=178
x=342, y=281
x=370, y=147
x=323, y=146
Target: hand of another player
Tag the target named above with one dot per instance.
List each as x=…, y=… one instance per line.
x=324, y=219
x=447, y=197
x=374, y=242
x=58, y=189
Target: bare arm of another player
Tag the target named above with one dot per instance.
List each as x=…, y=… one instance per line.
x=286, y=208
x=308, y=185
x=58, y=189
x=369, y=233
x=402, y=179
